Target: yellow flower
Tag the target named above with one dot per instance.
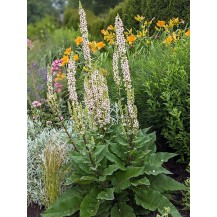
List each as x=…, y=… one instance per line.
x=68, y=51
x=76, y=57
x=161, y=23
x=100, y=45
x=188, y=33
x=131, y=39
x=110, y=27
x=174, y=36
x=168, y=40
x=78, y=40
x=104, y=32
x=65, y=60
x=60, y=77
x=93, y=46
x=171, y=24
x=104, y=72
x=139, y=18
x=176, y=21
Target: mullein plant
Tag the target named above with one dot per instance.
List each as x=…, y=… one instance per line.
x=115, y=169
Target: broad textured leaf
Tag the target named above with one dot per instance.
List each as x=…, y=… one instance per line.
x=142, y=181
x=104, y=209
x=121, y=179
x=118, y=150
x=67, y=204
x=152, y=169
x=90, y=205
x=154, y=200
x=113, y=158
x=100, y=152
x=108, y=194
x=122, y=210
x=162, y=183
x=108, y=171
x=159, y=158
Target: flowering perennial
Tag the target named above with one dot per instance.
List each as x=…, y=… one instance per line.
x=97, y=99
x=84, y=32
x=56, y=66
x=71, y=81
x=50, y=94
x=131, y=108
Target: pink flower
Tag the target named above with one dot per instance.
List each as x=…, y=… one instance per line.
x=29, y=43
x=36, y=104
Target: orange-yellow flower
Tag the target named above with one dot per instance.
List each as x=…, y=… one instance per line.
x=100, y=45
x=161, y=23
x=104, y=32
x=131, y=39
x=110, y=27
x=93, y=46
x=188, y=33
x=65, y=60
x=68, y=51
x=176, y=21
x=78, y=40
x=60, y=77
x=76, y=57
x=139, y=18
x=168, y=40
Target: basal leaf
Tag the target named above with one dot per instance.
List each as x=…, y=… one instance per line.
x=108, y=194
x=162, y=183
x=142, y=181
x=154, y=200
x=121, y=179
x=90, y=205
x=122, y=210
x=67, y=204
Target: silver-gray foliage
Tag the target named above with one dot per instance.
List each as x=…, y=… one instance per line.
x=37, y=138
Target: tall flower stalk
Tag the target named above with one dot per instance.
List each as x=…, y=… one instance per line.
x=131, y=108
x=84, y=32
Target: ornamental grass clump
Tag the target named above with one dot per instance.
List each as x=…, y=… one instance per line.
x=115, y=168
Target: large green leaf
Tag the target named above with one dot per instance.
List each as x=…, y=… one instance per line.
x=108, y=194
x=67, y=204
x=142, y=181
x=152, y=169
x=159, y=158
x=154, y=200
x=108, y=172
x=90, y=205
x=121, y=179
x=122, y=210
x=162, y=183
x=113, y=158
x=100, y=152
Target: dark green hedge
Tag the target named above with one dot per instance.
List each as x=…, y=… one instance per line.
x=160, y=9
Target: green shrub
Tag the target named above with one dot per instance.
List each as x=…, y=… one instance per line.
x=105, y=178
x=71, y=18
x=161, y=78
x=161, y=10
x=42, y=28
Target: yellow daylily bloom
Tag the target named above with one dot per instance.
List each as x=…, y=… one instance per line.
x=131, y=39
x=93, y=46
x=65, y=60
x=68, y=51
x=100, y=45
x=168, y=40
x=110, y=27
x=171, y=24
x=139, y=18
x=76, y=57
x=188, y=33
x=78, y=40
x=176, y=21
x=161, y=23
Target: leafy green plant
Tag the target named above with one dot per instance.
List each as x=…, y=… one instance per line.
x=115, y=168
x=186, y=194
x=166, y=214
x=116, y=178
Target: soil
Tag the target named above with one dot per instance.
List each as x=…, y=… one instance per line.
x=179, y=174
